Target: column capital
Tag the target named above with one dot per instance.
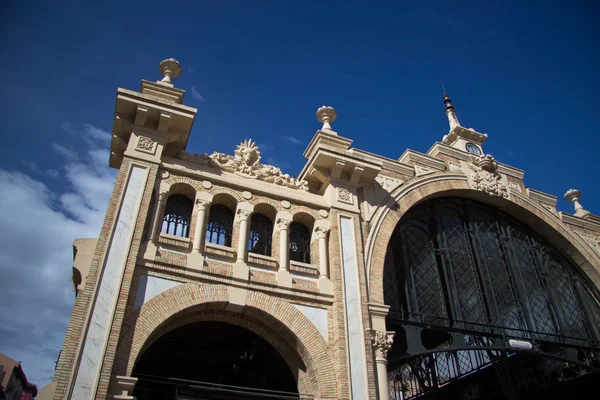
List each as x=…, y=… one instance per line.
x=243, y=214
x=283, y=225
x=321, y=232
x=201, y=205
x=381, y=342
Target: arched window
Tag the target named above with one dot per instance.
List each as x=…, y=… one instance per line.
x=299, y=243
x=178, y=214
x=220, y=225
x=261, y=234
x=462, y=264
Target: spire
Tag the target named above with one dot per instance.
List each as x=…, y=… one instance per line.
x=450, y=110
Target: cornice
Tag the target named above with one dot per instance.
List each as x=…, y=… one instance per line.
x=422, y=159
x=541, y=197
x=579, y=222
x=232, y=180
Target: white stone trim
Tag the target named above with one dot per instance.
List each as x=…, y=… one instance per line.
x=318, y=317
x=90, y=361
x=357, y=362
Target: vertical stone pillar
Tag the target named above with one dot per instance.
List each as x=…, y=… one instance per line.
x=150, y=252
x=382, y=342
x=240, y=268
x=284, y=277
x=196, y=258
x=321, y=230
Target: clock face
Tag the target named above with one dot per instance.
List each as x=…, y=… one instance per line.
x=471, y=148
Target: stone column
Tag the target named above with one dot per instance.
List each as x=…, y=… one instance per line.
x=243, y=213
x=321, y=230
x=284, y=277
x=196, y=258
x=150, y=252
x=382, y=342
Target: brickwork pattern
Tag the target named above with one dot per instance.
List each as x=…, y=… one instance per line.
x=277, y=321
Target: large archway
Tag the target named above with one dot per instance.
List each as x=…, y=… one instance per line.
x=278, y=322
x=212, y=360
x=473, y=291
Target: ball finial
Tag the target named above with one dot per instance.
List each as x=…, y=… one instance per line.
x=170, y=68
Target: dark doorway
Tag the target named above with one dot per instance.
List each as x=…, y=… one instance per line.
x=213, y=360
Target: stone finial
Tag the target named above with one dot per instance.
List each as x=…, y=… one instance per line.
x=573, y=196
x=326, y=114
x=170, y=68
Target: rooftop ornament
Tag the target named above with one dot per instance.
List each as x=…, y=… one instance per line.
x=573, y=196
x=169, y=68
x=326, y=114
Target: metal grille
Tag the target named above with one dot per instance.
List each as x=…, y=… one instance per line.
x=466, y=265
x=178, y=213
x=220, y=225
x=299, y=243
x=261, y=235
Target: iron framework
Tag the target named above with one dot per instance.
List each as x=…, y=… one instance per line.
x=464, y=281
x=299, y=243
x=220, y=225
x=261, y=235
x=178, y=214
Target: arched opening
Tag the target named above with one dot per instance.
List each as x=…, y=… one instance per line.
x=177, y=216
x=299, y=242
x=212, y=360
x=220, y=225
x=467, y=286
x=260, y=240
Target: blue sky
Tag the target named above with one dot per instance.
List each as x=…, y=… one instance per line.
x=525, y=74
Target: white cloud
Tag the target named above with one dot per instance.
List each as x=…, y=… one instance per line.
x=69, y=154
x=197, y=95
x=291, y=139
x=33, y=167
x=36, y=253
x=93, y=135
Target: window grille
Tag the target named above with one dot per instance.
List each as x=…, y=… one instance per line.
x=178, y=214
x=299, y=243
x=220, y=225
x=261, y=235
x=463, y=264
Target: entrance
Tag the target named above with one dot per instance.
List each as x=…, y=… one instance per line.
x=213, y=360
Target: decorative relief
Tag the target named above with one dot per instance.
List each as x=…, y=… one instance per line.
x=246, y=162
x=382, y=342
x=485, y=176
x=388, y=184
x=146, y=145
x=454, y=167
x=515, y=186
x=345, y=196
x=420, y=171
x=592, y=240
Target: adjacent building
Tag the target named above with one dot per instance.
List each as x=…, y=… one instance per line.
x=13, y=382
x=434, y=275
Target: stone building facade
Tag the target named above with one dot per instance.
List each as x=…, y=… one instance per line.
x=370, y=278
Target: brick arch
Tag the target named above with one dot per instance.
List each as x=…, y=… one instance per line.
x=174, y=179
x=301, y=209
x=281, y=324
x=532, y=214
x=233, y=193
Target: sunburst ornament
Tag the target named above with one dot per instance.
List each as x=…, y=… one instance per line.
x=248, y=152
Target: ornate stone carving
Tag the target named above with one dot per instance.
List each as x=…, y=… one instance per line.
x=485, y=176
x=146, y=144
x=388, y=184
x=246, y=162
x=283, y=224
x=382, y=342
x=453, y=167
x=345, y=196
x=515, y=186
x=420, y=171
x=243, y=214
x=321, y=232
x=593, y=241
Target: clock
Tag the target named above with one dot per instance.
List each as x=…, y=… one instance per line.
x=473, y=149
